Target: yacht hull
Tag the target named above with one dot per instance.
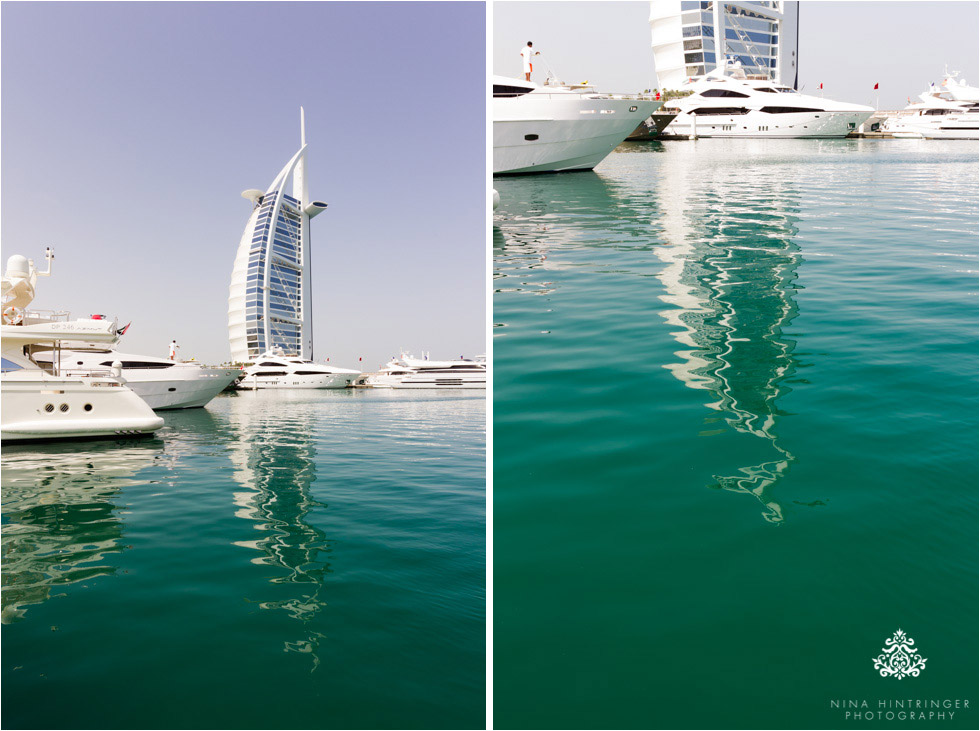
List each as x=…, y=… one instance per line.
x=114, y=411
x=920, y=133
x=191, y=392
x=764, y=125
x=555, y=134
x=334, y=380
x=418, y=382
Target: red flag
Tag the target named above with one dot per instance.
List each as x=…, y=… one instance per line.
x=821, y=86
x=876, y=86
x=123, y=331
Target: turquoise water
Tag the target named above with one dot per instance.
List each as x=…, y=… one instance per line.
x=735, y=435
x=278, y=560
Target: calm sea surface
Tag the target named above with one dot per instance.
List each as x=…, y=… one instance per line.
x=735, y=435
x=278, y=560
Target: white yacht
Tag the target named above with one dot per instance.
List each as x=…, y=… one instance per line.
x=554, y=128
x=275, y=369
x=59, y=404
x=162, y=383
x=727, y=102
x=408, y=372
x=948, y=112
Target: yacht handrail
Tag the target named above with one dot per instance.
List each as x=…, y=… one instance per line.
x=85, y=372
x=36, y=317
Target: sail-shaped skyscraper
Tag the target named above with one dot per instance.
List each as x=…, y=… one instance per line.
x=692, y=37
x=269, y=296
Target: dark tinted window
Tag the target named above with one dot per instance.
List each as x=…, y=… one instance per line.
x=724, y=92
x=788, y=110
x=720, y=110
x=502, y=90
x=137, y=364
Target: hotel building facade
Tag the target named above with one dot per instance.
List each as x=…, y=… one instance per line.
x=692, y=38
x=269, y=296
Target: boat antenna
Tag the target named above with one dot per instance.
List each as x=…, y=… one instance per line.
x=302, y=127
x=49, y=255
x=551, y=73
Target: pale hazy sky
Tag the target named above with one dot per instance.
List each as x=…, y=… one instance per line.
x=130, y=130
x=848, y=46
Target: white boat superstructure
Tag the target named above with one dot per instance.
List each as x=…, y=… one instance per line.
x=948, y=112
x=555, y=128
x=162, y=383
x=275, y=369
x=59, y=403
x=730, y=103
x=409, y=372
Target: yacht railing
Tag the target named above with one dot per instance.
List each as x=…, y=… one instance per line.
x=39, y=317
x=85, y=373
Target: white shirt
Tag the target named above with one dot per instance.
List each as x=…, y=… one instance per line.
x=526, y=54
x=173, y=349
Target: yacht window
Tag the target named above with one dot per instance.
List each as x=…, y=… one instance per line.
x=308, y=373
x=274, y=365
x=9, y=365
x=720, y=110
x=500, y=90
x=785, y=90
x=271, y=373
x=788, y=110
x=766, y=89
x=137, y=364
x=724, y=92
x=934, y=112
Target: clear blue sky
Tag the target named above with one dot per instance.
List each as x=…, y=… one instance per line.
x=129, y=131
x=848, y=46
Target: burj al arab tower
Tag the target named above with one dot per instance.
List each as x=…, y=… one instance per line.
x=269, y=296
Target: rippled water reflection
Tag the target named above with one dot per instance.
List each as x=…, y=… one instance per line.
x=61, y=518
x=701, y=334
x=324, y=549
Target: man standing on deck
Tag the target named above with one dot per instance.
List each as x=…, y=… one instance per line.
x=173, y=349
x=526, y=54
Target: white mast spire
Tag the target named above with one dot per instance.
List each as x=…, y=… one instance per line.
x=302, y=127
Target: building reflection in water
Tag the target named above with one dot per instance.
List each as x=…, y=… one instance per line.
x=273, y=459
x=730, y=270
x=60, y=525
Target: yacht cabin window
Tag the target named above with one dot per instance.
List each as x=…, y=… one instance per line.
x=788, y=110
x=502, y=90
x=724, y=92
x=720, y=110
x=137, y=364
